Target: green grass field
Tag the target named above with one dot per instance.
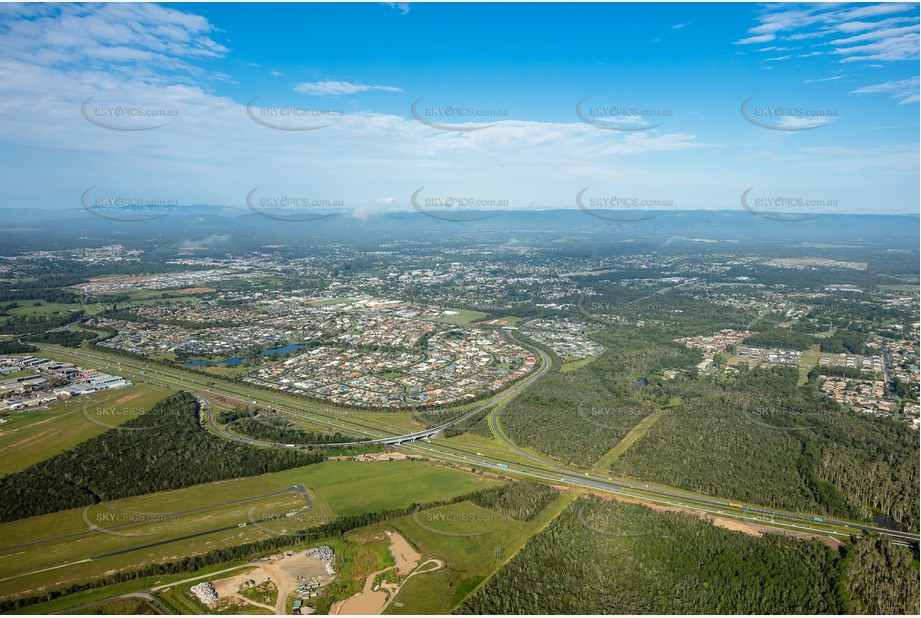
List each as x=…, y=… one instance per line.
x=358, y=554
x=469, y=560
x=481, y=444
x=16, y=374
x=329, y=301
x=29, y=308
x=138, y=585
x=121, y=607
x=335, y=487
x=506, y=320
x=33, y=436
x=572, y=365
x=465, y=316
x=809, y=360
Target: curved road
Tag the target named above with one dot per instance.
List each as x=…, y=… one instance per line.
x=505, y=395
x=541, y=468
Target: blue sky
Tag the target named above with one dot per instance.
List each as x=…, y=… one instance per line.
x=832, y=90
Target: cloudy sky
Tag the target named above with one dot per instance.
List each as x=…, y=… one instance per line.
x=363, y=105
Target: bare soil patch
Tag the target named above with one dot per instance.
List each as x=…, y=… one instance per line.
x=750, y=528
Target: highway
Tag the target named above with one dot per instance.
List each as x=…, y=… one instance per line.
x=537, y=467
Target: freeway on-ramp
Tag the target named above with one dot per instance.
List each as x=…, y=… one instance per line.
x=536, y=466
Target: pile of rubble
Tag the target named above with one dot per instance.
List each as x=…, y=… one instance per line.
x=323, y=553
x=205, y=592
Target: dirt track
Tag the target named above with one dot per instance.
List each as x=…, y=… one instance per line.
x=371, y=602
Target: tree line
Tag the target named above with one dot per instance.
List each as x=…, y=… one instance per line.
x=163, y=449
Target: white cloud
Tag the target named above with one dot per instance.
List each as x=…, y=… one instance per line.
x=761, y=38
x=822, y=79
x=903, y=47
x=210, y=152
x=339, y=88
x=134, y=39
x=403, y=7
x=906, y=90
x=866, y=39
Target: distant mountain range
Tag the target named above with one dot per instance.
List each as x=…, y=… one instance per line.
x=524, y=226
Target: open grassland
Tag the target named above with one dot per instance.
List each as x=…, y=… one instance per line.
x=34, y=436
x=479, y=444
x=572, y=365
x=179, y=600
x=94, y=595
x=472, y=541
x=465, y=316
x=121, y=607
x=396, y=420
x=328, y=301
x=335, y=488
x=225, y=371
x=41, y=308
x=809, y=360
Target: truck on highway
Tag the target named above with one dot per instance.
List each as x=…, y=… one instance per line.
x=503, y=466
x=817, y=519
x=735, y=504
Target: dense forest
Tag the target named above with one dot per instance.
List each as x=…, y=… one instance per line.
x=585, y=563
x=167, y=449
x=25, y=324
x=756, y=437
x=66, y=338
x=11, y=346
x=578, y=416
x=521, y=501
x=841, y=341
x=762, y=439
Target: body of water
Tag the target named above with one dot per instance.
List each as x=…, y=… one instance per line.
x=285, y=349
x=291, y=347
x=884, y=521
x=204, y=363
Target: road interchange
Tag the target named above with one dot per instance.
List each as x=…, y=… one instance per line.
x=419, y=442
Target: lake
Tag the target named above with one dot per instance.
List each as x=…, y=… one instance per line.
x=291, y=347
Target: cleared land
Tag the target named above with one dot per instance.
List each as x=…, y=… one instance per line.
x=604, y=464
x=465, y=316
x=471, y=541
x=335, y=488
x=33, y=436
